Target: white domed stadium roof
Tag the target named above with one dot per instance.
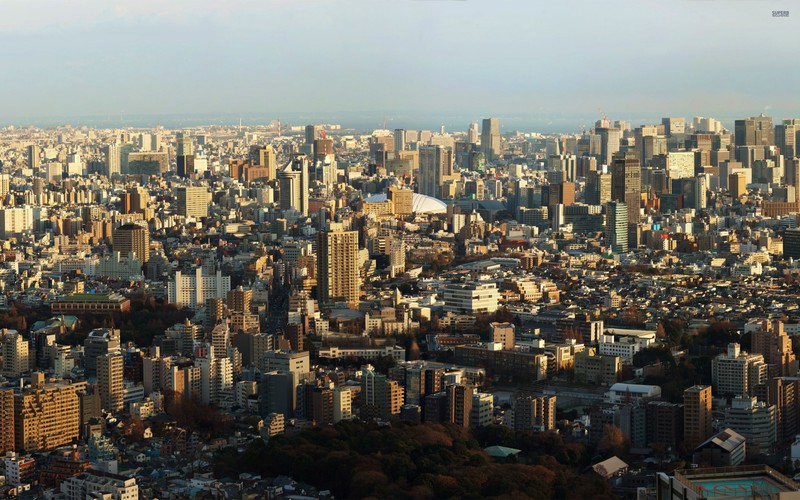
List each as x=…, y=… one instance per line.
x=420, y=203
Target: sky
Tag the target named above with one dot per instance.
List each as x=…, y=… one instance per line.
x=560, y=62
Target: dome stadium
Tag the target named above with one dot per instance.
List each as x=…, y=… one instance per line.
x=420, y=203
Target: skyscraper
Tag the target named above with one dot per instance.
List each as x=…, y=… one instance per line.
x=674, y=125
x=598, y=188
x=34, y=158
x=184, y=152
x=791, y=243
x=192, y=201
x=490, y=139
x=472, y=134
x=785, y=136
x=338, y=276
x=754, y=131
x=132, y=238
x=293, y=185
x=626, y=183
x=266, y=159
x=109, y=381
x=399, y=139
x=435, y=164
x=617, y=227
x=112, y=160
x=312, y=134
x=609, y=143
x=696, y=415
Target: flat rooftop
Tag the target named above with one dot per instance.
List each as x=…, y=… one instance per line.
x=737, y=482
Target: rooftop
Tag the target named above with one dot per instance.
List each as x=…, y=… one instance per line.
x=757, y=481
x=93, y=297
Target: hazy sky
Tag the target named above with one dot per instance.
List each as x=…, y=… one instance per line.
x=472, y=57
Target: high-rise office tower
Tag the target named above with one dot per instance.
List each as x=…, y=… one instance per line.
x=472, y=133
x=792, y=175
x=399, y=139
x=552, y=147
x=609, y=143
x=184, y=155
x=323, y=148
x=34, y=157
x=132, y=238
x=338, y=276
x=598, y=188
x=674, y=125
x=266, y=159
x=737, y=185
x=109, y=381
x=294, y=185
x=652, y=145
x=617, y=227
x=402, y=199
x=490, y=139
x=192, y=201
x=111, y=156
x=312, y=133
x=626, y=183
x=791, y=243
x=785, y=137
x=435, y=164
x=139, y=199
x=696, y=415
x=754, y=131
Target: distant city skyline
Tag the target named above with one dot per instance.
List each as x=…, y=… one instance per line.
x=366, y=122
x=451, y=59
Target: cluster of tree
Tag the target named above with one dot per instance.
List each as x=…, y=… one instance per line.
x=190, y=413
x=382, y=363
x=676, y=375
x=356, y=460
x=20, y=317
x=701, y=347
